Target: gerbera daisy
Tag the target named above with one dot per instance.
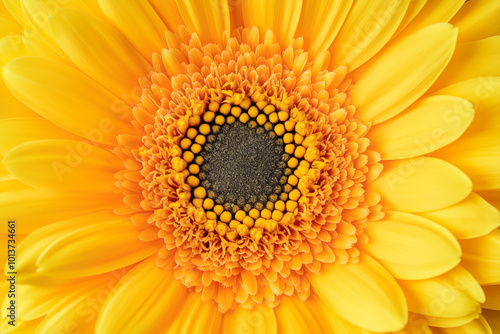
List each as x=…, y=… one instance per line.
x=250, y=166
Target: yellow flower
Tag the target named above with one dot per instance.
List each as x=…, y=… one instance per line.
x=250, y=166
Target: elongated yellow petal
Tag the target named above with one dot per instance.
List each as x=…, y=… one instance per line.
x=320, y=21
x=493, y=319
x=471, y=218
x=15, y=9
x=68, y=98
x=146, y=300
x=20, y=327
x=197, y=317
x=471, y=60
x=11, y=47
x=63, y=164
x=492, y=293
x=19, y=130
x=138, y=22
x=35, y=208
x=169, y=13
x=454, y=294
x=295, y=316
x=199, y=17
x=413, y=10
x=411, y=247
x=426, y=126
x=242, y=321
x=403, y=73
x=109, y=237
x=113, y=61
x=452, y=322
x=368, y=27
x=421, y=184
x=337, y=324
x=477, y=19
x=281, y=16
x=364, y=294
x=478, y=155
x=476, y=326
x=37, y=45
x=481, y=256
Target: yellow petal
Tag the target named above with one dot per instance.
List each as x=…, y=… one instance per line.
x=68, y=98
x=138, y=22
x=421, y=184
x=493, y=319
x=492, y=196
x=242, y=321
x=471, y=60
x=481, y=256
x=63, y=164
x=169, y=13
x=109, y=237
x=368, y=27
x=477, y=326
x=320, y=21
x=426, y=126
x=280, y=16
x=403, y=73
x=20, y=327
x=364, y=294
x=484, y=94
x=11, y=47
x=477, y=19
x=414, y=8
x=337, y=324
x=37, y=45
x=112, y=62
x=199, y=17
x=15, y=9
x=492, y=293
x=35, y=208
x=297, y=317
x=454, y=294
x=478, y=155
x=471, y=218
x=197, y=317
x=411, y=247
x=19, y=130
x=146, y=300
x=452, y=322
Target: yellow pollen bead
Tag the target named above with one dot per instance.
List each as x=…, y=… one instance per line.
x=261, y=119
x=293, y=162
x=210, y=214
x=253, y=112
x=256, y=234
x=265, y=213
x=287, y=188
x=205, y=129
x=242, y=230
x=208, y=116
x=198, y=160
x=270, y=205
x=288, y=138
x=269, y=109
x=245, y=104
x=289, y=148
x=294, y=195
x=213, y=106
x=240, y=215
x=188, y=156
x=261, y=104
x=254, y=213
x=305, y=164
x=194, y=120
x=222, y=229
x=191, y=133
x=300, y=151
x=260, y=222
x=244, y=118
x=193, y=181
x=297, y=138
x=277, y=215
x=236, y=111
x=185, y=143
x=208, y=204
x=210, y=225
x=291, y=206
x=185, y=173
x=283, y=116
x=279, y=205
x=226, y=217
x=200, y=192
x=198, y=202
x=200, y=139
x=194, y=169
x=225, y=109
x=293, y=180
x=289, y=126
x=234, y=223
x=273, y=118
x=218, y=209
x=312, y=154
x=196, y=148
x=279, y=129
x=178, y=164
x=248, y=221
x=230, y=120
x=220, y=120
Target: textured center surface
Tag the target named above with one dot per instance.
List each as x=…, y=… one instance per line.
x=242, y=163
